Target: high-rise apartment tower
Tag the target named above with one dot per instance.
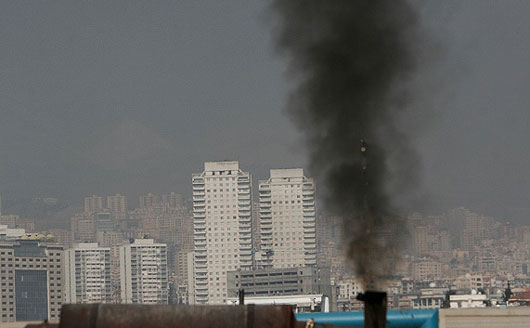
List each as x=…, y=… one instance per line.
x=87, y=274
x=287, y=219
x=223, y=228
x=143, y=272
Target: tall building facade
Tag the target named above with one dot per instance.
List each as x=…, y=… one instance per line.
x=94, y=203
x=117, y=204
x=143, y=272
x=32, y=286
x=223, y=228
x=87, y=274
x=287, y=219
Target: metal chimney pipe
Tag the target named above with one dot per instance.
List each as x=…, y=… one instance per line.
x=241, y=294
x=375, y=304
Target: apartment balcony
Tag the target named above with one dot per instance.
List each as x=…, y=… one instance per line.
x=198, y=186
x=200, y=262
x=245, y=258
x=199, y=209
x=199, y=279
x=199, y=225
x=245, y=243
x=245, y=248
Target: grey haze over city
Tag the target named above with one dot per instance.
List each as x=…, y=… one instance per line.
x=104, y=97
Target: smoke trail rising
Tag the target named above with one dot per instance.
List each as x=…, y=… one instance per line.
x=347, y=60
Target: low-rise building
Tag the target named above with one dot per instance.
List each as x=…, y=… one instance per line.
x=32, y=286
x=300, y=303
x=277, y=282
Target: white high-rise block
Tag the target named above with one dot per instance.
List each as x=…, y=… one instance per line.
x=287, y=219
x=223, y=228
x=87, y=274
x=143, y=272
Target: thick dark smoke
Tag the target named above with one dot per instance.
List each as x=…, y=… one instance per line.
x=349, y=61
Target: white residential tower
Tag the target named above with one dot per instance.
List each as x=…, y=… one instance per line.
x=287, y=219
x=87, y=274
x=223, y=228
x=143, y=272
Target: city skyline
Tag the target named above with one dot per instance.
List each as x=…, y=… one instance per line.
x=66, y=135
x=170, y=160
x=278, y=247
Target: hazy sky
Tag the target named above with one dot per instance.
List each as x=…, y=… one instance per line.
x=122, y=96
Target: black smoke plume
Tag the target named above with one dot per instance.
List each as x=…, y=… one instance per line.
x=349, y=61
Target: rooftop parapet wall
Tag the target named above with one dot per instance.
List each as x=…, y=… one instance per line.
x=516, y=317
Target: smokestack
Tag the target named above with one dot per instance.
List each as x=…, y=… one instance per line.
x=348, y=62
x=374, y=309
